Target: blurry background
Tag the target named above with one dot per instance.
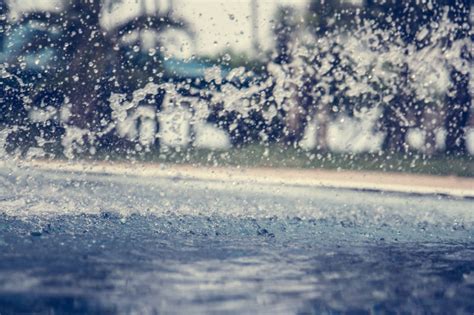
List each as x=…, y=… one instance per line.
x=309, y=83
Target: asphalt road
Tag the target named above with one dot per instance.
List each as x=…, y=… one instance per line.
x=75, y=243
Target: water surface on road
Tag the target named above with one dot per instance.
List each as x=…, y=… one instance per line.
x=98, y=243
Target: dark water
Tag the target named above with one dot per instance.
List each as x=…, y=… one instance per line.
x=103, y=244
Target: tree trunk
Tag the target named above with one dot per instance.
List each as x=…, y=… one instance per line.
x=432, y=119
x=458, y=98
x=395, y=120
x=86, y=77
x=396, y=130
x=294, y=118
x=457, y=115
x=322, y=124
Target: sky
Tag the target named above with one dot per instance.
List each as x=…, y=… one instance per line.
x=217, y=24
x=227, y=24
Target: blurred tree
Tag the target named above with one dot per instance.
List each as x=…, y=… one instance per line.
x=402, y=20
x=459, y=97
x=88, y=63
x=3, y=20
x=287, y=75
x=328, y=22
x=418, y=25
x=100, y=62
x=325, y=16
x=284, y=30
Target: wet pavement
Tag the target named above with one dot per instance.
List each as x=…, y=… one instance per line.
x=74, y=243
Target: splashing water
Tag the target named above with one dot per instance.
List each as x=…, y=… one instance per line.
x=363, y=67
x=88, y=242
